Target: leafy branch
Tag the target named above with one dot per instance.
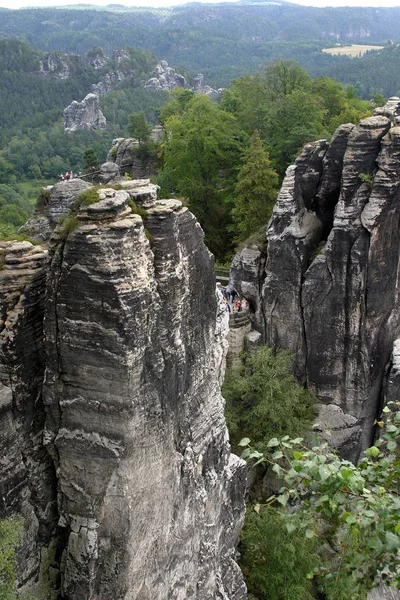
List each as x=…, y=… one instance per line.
x=356, y=506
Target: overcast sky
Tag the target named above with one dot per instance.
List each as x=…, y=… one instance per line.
x=22, y=3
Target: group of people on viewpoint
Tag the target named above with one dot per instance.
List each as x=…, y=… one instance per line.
x=231, y=299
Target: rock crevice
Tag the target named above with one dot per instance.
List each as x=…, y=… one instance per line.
x=330, y=290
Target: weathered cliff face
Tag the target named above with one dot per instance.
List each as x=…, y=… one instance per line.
x=84, y=115
x=149, y=499
x=329, y=290
x=27, y=475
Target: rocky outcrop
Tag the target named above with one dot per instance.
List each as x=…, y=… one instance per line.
x=200, y=88
x=110, y=82
x=53, y=205
x=125, y=153
x=149, y=499
x=166, y=78
x=84, y=115
x=56, y=65
x=331, y=250
x=96, y=58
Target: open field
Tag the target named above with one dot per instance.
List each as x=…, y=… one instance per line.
x=353, y=50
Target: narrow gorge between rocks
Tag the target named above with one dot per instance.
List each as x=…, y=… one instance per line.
x=114, y=446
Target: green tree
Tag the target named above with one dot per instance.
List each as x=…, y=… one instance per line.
x=285, y=76
x=12, y=215
x=255, y=191
x=356, y=507
x=6, y=170
x=263, y=399
x=274, y=562
x=296, y=119
x=248, y=98
x=201, y=151
x=138, y=126
x=178, y=102
x=90, y=157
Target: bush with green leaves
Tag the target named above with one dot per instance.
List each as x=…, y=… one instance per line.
x=356, y=507
x=10, y=537
x=276, y=564
x=263, y=399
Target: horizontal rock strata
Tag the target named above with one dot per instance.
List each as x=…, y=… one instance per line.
x=27, y=475
x=115, y=448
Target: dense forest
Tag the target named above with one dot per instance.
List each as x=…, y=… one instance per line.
x=227, y=159
x=222, y=41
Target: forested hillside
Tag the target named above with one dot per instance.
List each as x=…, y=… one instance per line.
x=227, y=43
x=224, y=41
x=33, y=99
x=35, y=89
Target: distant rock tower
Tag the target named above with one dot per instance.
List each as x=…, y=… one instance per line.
x=84, y=115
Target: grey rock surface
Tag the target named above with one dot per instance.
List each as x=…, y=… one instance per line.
x=123, y=467
x=54, y=204
x=56, y=65
x=84, y=115
x=110, y=82
x=330, y=288
x=383, y=592
x=124, y=153
x=166, y=78
x=27, y=475
x=392, y=391
x=109, y=171
x=247, y=277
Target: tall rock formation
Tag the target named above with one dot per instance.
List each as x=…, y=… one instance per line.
x=130, y=437
x=326, y=282
x=84, y=115
x=166, y=78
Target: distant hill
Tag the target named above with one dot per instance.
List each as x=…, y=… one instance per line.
x=223, y=41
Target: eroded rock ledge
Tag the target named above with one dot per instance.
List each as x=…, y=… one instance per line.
x=149, y=499
x=325, y=284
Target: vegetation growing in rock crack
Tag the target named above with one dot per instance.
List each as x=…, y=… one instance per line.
x=263, y=399
x=138, y=210
x=87, y=197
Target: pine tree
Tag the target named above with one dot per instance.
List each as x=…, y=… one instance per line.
x=138, y=126
x=90, y=157
x=255, y=191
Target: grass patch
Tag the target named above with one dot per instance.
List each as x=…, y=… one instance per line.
x=43, y=200
x=138, y=210
x=89, y=196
